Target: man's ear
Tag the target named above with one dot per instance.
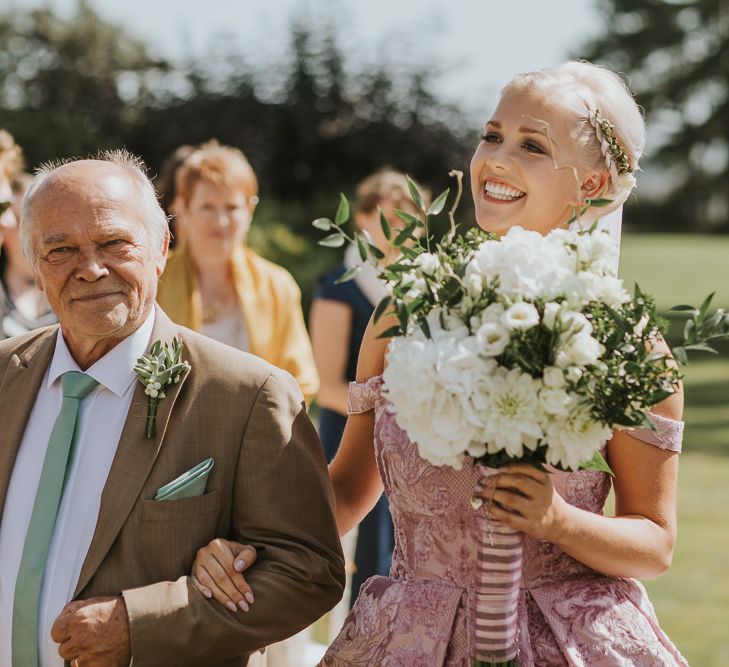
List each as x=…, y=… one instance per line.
x=162, y=257
x=595, y=184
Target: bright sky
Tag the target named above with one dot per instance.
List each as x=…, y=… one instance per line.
x=480, y=44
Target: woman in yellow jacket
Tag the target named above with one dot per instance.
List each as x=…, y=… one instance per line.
x=215, y=284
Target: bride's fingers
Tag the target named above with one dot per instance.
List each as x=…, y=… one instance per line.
x=527, y=486
x=231, y=582
x=212, y=576
x=510, y=501
x=244, y=556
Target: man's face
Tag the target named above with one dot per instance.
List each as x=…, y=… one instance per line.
x=94, y=260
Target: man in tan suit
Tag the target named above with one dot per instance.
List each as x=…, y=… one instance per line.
x=115, y=587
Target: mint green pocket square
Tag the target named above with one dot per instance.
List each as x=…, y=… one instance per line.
x=189, y=484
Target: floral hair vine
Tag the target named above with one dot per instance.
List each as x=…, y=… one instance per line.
x=615, y=154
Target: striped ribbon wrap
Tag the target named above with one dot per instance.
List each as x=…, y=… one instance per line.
x=498, y=582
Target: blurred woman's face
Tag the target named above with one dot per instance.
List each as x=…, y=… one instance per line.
x=525, y=170
x=215, y=219
x=8, y=220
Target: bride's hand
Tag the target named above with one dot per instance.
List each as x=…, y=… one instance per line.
x=522, y=497
x=217, y=569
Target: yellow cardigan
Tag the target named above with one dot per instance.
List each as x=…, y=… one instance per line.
x=271, y=303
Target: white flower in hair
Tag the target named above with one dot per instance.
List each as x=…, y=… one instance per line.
x=626, y=183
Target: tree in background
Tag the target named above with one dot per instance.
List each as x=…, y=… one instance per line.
x=311, y=124
x=677, y=55
x=70, y=87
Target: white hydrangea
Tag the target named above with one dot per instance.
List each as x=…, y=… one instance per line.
x=436, y=378
x=596, y=252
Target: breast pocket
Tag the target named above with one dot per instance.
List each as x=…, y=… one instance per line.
x=184, y=509
x=173, y=530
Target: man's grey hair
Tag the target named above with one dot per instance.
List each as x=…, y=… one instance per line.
x=153, y=216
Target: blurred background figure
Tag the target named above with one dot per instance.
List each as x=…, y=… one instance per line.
x=215, y=284
x=165, y=184
x=339, y=316
x=22, y=306
x=11, y=162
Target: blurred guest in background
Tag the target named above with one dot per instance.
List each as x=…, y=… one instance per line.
x=165, y=185
x=215, y=284
x=11, y=163
x=339, y=316
x=22, y=306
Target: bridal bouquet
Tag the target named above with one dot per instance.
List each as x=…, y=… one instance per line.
x=523, y=348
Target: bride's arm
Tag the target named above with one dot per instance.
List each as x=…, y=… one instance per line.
x=357, y=486
x=638, y=541
x=354, y=474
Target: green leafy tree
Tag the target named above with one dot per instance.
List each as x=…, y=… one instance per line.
x=676, y=53
x=70, y=86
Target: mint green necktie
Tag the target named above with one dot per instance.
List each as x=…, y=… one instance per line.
x=43, y=520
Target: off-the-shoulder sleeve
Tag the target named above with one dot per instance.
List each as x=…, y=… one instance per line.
x=668, y=434
x=363, y=395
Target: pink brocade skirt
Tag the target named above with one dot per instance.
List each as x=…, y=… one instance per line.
x=600, y=622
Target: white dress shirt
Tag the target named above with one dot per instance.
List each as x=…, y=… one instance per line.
x=101, y=420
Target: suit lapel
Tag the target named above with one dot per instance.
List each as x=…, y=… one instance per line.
x=133, y=461
x=19, y=389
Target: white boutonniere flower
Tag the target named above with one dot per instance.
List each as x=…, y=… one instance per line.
x=156, y=370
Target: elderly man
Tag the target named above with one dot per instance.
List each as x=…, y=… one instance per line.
x=95, y=543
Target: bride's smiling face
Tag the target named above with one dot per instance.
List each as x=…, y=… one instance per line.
x=525, y=170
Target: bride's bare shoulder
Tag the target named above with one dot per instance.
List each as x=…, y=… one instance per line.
x=371, y=361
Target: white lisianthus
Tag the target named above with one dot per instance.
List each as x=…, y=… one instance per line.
x=493, y=313
x=511, y=424
x=520, y=316
x=493, y=339
x=555, y=401
x=427, y=263
x=553, y=377
x=575, y=323
x=574, y=439
x=580, y=349
x=551, y=313
x=474, y=284
x=573, y=374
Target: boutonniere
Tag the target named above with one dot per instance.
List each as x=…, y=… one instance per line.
x=156, y=370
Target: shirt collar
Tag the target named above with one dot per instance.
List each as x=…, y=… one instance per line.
x=115, y=370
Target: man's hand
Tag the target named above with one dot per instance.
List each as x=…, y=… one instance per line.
x=94, y=633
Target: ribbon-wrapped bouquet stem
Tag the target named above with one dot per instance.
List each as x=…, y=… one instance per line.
x=523, y=348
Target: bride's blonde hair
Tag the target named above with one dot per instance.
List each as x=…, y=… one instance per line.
x=591, y=94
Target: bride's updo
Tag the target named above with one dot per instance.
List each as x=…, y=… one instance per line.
x=608, y=124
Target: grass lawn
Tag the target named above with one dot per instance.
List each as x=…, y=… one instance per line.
x=692, y=599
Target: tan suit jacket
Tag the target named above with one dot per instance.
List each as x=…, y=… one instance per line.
x=269, y=487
